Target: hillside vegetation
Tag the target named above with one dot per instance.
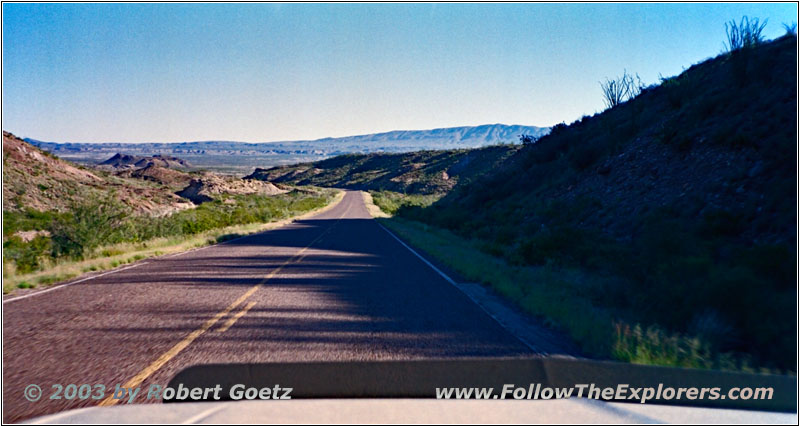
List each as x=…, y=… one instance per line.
x=421, y=172
x=171, y=178
x=241, y=158
x=679, y=204
x=661, y=230
x=36, y=180
x=57, y=213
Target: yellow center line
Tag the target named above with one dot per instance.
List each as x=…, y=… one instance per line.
x=236, y=317
x=177, y=348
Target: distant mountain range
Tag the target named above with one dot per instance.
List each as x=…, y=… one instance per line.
x=442, y=138
x=243, y=157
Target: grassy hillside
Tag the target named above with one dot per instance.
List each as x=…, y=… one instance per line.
x=679, y=207
x=36, y=180
x=661, y=230
x=421, y=172
x=174, y=179
x=57, y=213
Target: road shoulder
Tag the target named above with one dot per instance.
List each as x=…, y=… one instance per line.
x=529, y=330
x=114, y=264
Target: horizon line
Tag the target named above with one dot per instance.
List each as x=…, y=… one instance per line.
x=279, y=141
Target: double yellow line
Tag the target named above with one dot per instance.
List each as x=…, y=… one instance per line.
x=177, y=348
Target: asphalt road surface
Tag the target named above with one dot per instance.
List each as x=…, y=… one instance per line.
x=334, y=287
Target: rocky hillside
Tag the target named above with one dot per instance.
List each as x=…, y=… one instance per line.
x=55, y=212
x=423, y=172
x=211, y=186
x=34, y=179
x=171, y=178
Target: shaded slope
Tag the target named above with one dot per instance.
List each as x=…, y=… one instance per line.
x=680, y=204
x=425, y=172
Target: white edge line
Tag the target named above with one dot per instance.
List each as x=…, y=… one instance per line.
x=132, y=266
x=207, y=246
x=73, y=283
x=204, y=414
x=441, y=273
x=228, y=241
x=291, y=220
x=457, y=286
x=186, y=252
x=218, y=244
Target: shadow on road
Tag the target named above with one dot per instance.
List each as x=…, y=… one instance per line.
x=354, y=286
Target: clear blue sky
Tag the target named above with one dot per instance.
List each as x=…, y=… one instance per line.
x=264, y=72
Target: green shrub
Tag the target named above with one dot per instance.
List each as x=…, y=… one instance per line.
x=547, y=149
x=566, y=245
x=28, y=219
x=27, y=256
x=677, y=89
x=584, y=155
x=110, y=252
x=653, y=346
x=226, y=237
x=76, y=233
x=392, y=202
x=87, y=226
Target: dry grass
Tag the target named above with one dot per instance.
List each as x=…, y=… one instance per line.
x=373, y=209
x=113, y=256
x=552, y=296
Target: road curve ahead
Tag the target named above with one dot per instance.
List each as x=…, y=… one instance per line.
x=334, y=287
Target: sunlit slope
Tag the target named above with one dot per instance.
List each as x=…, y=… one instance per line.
x=35, y=179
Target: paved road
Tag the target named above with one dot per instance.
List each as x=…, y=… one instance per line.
x=334, y=287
